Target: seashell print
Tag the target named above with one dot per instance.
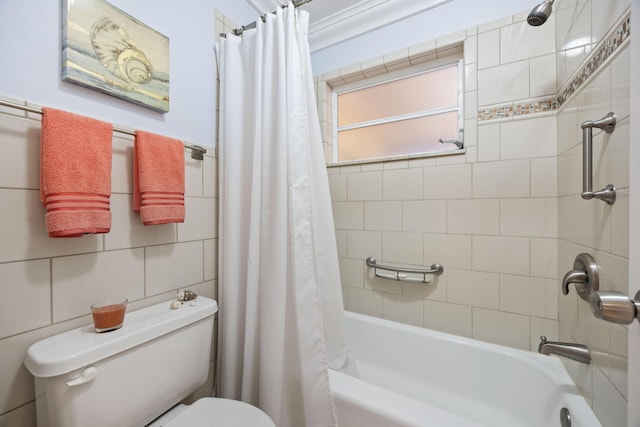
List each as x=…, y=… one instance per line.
x=118, y=53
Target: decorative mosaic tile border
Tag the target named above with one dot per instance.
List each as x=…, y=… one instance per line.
x=521, y=109
x=604, y=51
x=597, y=58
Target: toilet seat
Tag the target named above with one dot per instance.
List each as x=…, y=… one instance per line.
x=217, y=412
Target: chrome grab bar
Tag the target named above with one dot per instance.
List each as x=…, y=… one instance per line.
x=400, y=273
x=608, y=193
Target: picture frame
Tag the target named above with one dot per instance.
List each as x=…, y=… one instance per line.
x=106, y=49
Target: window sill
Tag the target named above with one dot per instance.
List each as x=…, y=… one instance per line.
x=454, y=152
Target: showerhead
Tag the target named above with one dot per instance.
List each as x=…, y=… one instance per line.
x=540, y=13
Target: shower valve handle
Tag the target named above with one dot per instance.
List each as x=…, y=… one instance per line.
x=574, y=276
x=584, y=275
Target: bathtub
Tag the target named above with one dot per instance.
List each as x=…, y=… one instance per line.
x=410, y=376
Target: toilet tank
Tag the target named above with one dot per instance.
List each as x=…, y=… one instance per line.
x=125, y=377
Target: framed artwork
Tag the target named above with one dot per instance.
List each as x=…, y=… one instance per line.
x=106, y=49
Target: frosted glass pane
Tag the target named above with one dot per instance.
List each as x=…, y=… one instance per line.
x=398, y=138
x=424, y=92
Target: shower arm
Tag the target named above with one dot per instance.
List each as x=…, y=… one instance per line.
x=608, y=193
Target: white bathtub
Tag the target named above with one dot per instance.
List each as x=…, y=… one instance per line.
x=412, y=376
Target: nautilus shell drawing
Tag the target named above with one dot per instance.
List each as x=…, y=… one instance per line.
x=118, y=53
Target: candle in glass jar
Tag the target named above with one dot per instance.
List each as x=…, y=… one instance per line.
x=109, y=314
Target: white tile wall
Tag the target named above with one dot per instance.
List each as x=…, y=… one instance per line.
x=514, y=220
x=501, y=328
x=596, y=228
x=448, y=182
x=502, y=179
x=488, y=49
x=50, y=283
x=13, y=132
x=24, y=227
x=402, y=184
x=531, y=138
x=521, y=41
x=451, y=318
x=503, y=83
x=80, y=280
x=451, y=250
x=542, y=71
x=529, y=217
x=383, y=216
x=544, y=177
x=160, y=264
x=403, y=248
x=490, y=217
x=402, y=309
x=24, y=284
x=473, y=216
x=473, y=288
x=365, y=186
x=428, y=216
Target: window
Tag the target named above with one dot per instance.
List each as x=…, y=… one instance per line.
x=402, y=114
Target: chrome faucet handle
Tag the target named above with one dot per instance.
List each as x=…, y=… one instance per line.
x=615, y=307
x=585, y=276
x=574, y=276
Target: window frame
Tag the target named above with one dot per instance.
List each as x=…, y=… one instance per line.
x=390, y=77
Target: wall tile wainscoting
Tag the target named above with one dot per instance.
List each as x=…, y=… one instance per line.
x=58, y=279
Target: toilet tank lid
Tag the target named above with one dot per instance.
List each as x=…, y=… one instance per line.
x=65, y=352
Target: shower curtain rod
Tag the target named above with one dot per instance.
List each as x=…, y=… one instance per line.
x=196, y=150
x=239, y=31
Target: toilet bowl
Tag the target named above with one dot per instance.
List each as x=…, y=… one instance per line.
x=136, y=375
x=215, y=412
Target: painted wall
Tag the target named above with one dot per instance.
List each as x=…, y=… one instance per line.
x=451, y=17
x=505, y=219
x=50, y=283
x=31, y=42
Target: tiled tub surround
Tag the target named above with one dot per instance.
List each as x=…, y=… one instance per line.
x=591, y=225
x=48, y=284
x=505, y=218
x=495, y=236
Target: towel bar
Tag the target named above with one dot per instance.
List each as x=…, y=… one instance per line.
x=197, y=151
x=400, y=273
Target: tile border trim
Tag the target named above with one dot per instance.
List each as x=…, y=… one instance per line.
x=518, y=109
x=617, y=37
x=605, y=50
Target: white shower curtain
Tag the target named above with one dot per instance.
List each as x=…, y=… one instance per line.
x=281, y=315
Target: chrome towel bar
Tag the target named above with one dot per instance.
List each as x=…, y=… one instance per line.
x=401, y=274
x=197, y=151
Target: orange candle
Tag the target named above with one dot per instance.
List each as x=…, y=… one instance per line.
x=108, y=315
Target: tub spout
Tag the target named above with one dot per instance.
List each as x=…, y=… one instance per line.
x=578, y=352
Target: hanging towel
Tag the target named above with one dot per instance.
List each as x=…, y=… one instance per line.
x=75, y=173
x=158, y=178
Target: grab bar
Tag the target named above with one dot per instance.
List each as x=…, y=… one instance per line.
x=608, y=193
x=401, y=273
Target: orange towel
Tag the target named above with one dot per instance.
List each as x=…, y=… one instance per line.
x=158, y=178
x=75, y=173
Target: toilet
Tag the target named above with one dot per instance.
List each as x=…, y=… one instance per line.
x=136, y=375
